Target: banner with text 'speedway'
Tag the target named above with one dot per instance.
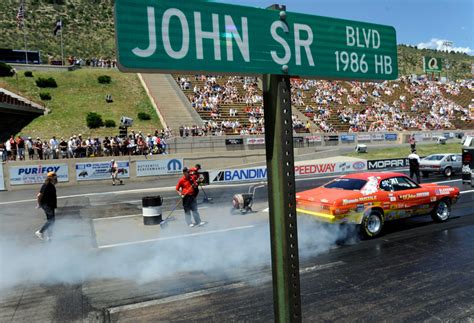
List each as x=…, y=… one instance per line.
x=164, y=36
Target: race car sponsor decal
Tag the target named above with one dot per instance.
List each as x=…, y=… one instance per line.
x=444, y=191
x=414, y=196
x=371, y=186
x=346, y=201
x=360, y=199
x=433, y=199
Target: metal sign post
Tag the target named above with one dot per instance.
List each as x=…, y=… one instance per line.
x=281, y=197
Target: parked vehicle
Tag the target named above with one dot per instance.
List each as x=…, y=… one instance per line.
x=446, y=164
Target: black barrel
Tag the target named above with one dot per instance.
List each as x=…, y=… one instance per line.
x=151, y=206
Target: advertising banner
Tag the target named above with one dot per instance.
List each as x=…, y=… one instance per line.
x=239, y=175
x=304, y=168
x=301, y=169
x=391, y=136
x=432, y=64
x=347, y=138
x=100, y=170
x=377, y=136
x=159, y=167
x=2, y=180
x=256, y=141
x=387, y=163
x=331, y=138
x=234, y=141
x=364, y=137
x=298, y=140
x=310, y=139
x=36, y=174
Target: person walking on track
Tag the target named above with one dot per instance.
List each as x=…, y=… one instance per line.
x=414, y=161
x=47, y=200
x=186, y=188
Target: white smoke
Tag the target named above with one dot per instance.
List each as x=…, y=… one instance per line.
x=71, y=257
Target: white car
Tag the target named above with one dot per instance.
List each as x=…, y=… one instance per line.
x=446, y=164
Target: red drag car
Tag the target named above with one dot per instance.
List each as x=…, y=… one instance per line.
x=370, y=199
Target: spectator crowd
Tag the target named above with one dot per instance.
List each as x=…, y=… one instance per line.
x=22, y=148
x=329, y=106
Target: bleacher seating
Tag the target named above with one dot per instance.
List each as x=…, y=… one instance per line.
x=404, y=104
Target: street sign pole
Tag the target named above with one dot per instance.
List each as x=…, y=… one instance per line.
x=281, y=197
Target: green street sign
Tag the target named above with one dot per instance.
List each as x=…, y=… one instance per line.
x=432, y=64
x=195, y=36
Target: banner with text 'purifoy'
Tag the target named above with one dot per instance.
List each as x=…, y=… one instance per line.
x=163, y=36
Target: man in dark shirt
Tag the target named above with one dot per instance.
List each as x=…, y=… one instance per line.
x=186, y=188
x=47, y=200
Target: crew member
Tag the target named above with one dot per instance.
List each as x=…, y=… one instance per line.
x=414, y=161
x=114, y=170
x=47, y=200
x=186, y=188
x=194, y=172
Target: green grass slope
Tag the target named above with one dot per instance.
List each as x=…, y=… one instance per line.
x=88, y=27
x=78, y=93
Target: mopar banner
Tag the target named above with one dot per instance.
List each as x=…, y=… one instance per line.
x=234, y=141
x=298, y=140
x=100, y=170
x=239, y=175
x=159, y=167
x=391, y=136
x=305, y=168
x=2, y=180
x=387, y=163
x=347, y=138
x=36, y=174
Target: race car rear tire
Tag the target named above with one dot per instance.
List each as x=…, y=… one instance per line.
x=372, y=224
x=442, y=211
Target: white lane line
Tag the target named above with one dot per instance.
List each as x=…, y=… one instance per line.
x=465, y=192
x=213, y=290
x=176, y=237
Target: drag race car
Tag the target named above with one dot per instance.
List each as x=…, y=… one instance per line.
x=370, y=199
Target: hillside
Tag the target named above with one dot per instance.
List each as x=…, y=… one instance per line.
x=78, y=93
x=88, y=27
x=88, y=32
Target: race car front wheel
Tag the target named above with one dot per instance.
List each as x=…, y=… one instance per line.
x=442, y=211
x=372, y=224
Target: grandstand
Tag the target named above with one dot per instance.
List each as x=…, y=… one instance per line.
x=337, y=106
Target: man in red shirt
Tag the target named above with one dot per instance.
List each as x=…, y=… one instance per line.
x=186, y=188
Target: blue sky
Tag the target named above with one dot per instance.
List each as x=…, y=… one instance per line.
x=425, y=23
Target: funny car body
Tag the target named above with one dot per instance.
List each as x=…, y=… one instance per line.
x=370, y=199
